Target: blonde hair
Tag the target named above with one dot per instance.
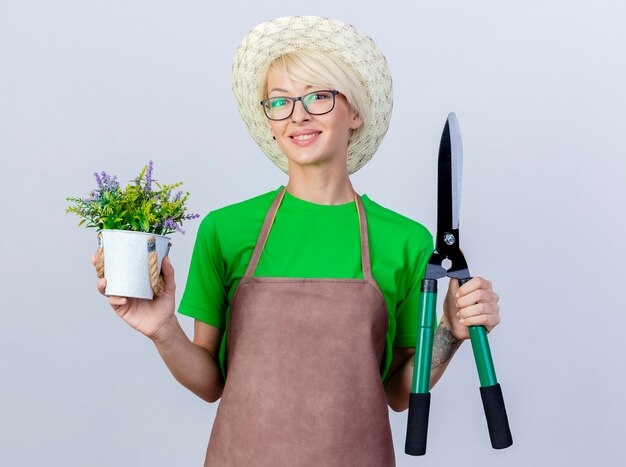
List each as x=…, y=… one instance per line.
x=315, y=68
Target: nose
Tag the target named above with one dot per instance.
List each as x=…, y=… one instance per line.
x=299, y=113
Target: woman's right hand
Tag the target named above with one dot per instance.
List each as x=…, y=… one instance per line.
x=149, y=317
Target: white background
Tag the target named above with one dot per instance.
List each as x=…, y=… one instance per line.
x=537, y=87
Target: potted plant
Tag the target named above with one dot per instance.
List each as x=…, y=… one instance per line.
x=132, y=225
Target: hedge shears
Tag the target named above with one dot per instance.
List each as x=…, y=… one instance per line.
x=447, y=248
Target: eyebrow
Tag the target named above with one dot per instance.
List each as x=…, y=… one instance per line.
x=284, y=90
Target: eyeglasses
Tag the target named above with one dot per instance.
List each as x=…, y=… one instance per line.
x=315, y=103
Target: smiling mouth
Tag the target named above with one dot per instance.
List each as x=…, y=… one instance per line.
x=305, y=137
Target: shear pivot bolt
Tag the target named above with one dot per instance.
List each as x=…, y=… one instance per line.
x=449, y=239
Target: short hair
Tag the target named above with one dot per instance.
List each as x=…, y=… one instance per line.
x=316, y=68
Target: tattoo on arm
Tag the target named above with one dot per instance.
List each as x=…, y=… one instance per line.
x=444, y=345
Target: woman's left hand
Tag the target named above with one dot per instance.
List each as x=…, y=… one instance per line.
x=473, y=304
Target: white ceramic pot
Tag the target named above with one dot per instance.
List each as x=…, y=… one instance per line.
x=126, y=262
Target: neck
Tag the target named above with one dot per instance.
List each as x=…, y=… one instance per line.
x=320, y=186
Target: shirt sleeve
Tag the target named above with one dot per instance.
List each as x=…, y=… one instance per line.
x=205, y=296
x=407, y=307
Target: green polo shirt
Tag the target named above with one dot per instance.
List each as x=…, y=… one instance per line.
x=308, y=240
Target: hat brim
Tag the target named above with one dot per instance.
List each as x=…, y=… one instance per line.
x=274, y=38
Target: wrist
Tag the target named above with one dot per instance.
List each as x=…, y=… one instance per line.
x=453, y=336
x=166, y=332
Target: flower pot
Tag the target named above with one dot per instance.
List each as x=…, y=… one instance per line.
x=127, y=261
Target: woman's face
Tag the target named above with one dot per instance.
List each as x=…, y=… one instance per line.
x=311, y=140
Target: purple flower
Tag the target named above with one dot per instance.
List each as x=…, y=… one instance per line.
x=171, y=225
x=148, y=186
x=105, y=179
x=105, y=182
x=115, y=184
x=94, y=195
x=178, y=195
x=191, y=216
x=98, y=179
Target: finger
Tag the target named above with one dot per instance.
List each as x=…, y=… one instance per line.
x=478, y=309
x=477, y=296
x=117, y=301
x=101, y=285
x=489, y=321
x=474, y=284
x=93, y=261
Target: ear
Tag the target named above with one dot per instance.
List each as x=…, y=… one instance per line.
x=356, y=121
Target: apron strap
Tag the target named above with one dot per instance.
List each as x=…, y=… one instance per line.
x=366, y=266
x=269, y=220
x=265, y=230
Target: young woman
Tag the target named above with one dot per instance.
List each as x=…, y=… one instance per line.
x=305, y=298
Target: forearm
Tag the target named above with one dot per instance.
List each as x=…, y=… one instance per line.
x=193, y=366
x=398, y=387
x=445, y=346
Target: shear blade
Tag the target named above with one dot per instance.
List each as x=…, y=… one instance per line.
x=449, y=184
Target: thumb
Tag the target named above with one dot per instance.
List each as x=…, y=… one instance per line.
x=453, y=286
x=168, y=275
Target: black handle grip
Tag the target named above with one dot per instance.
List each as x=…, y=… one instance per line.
x=464, y=280
x=495, y=412
x=417, y=424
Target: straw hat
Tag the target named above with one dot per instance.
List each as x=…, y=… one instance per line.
x=273, y=38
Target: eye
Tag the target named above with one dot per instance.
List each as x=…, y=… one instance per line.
x=318, y=96
x=277, y=102
x=314, y=98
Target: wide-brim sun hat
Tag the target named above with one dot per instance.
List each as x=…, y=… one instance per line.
x=274, y=38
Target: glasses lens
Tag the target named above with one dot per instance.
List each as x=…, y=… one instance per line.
x=319, y=102
x=278, y=108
